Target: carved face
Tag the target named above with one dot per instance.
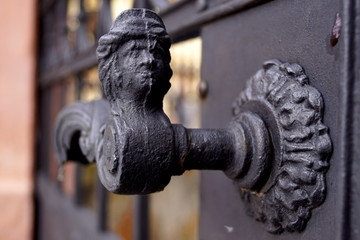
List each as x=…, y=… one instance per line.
x=143, y=69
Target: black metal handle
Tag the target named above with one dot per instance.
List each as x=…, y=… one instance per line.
x=275, y=149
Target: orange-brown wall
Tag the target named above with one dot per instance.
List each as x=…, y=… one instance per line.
x=17, y=112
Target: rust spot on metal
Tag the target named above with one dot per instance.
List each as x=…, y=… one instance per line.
x=336, y=30
x=203, y=89
x=186, y=153
x=258, y=194
x=182, y=159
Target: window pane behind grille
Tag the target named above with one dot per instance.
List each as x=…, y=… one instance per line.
x=174, y=212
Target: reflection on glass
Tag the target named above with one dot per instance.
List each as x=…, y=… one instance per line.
x=72, y=22
x=92, y=5
x=117, y=6
x=71, y=90
x=182, y=103
x=91, y=88
x=91, y=10
x=82, y=20
x=87, y=175
x=174, y=212
x=120, y=211
x=88, y=182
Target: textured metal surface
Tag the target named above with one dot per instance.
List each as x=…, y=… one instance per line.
x=291, y=31
x=292, y=110
x=275, y=148
x=78, y=129
x=137, y=150
x=350, y=115
x=134, y=71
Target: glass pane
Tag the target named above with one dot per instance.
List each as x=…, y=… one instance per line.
x=92, y=5
x=90, y=88
x=117, y=6
x=82, y=21
x=91, y=11
x=88, y=185
x=121, y=215
x=87, y=174
x=174, y=212
x=72, y=21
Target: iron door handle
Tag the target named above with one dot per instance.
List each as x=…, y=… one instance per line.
x=275, y=149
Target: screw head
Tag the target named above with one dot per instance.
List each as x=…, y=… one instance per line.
x=203, y=89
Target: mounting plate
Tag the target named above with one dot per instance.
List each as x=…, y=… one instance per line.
x=292, y=111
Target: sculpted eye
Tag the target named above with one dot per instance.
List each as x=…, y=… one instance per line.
x=157, y=55
x=159, y=51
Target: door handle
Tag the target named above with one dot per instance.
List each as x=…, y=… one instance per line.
x=275, y=149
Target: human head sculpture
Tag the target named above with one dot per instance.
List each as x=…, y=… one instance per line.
x=134, y=58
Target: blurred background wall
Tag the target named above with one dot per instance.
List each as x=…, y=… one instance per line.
x=17, y=112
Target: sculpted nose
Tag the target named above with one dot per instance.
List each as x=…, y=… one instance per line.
x=147, y=58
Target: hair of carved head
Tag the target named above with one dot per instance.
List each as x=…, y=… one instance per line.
x=139, y=25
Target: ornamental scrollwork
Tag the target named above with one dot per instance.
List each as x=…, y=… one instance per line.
x=292, y=110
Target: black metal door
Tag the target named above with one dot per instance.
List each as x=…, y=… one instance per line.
x=303, y=32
